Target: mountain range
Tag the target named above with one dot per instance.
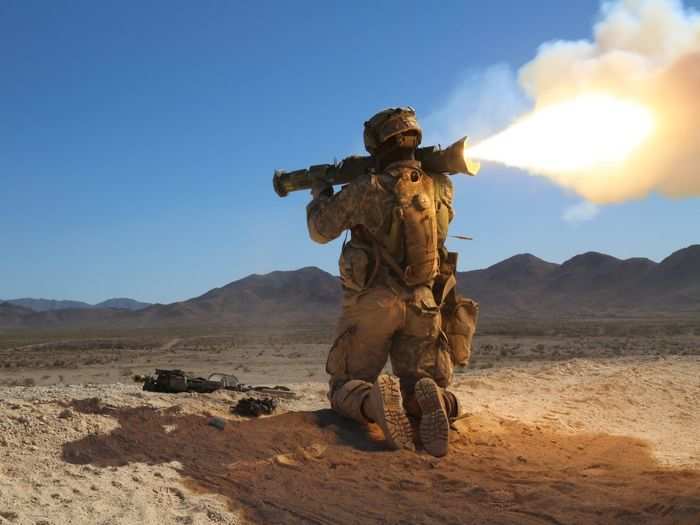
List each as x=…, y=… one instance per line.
x=590, y=285
x=46, y=305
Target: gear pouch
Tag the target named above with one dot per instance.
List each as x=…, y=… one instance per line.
x=337, y=361
x=459, y=324
x=354, y=267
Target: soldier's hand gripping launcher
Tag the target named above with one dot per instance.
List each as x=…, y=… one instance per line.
x=434, y=159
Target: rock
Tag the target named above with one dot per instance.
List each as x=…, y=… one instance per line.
x=287, y=460
x=9, y=515
x=66, y=414
x=217, y=422
x=91, y=405
x=315, y=451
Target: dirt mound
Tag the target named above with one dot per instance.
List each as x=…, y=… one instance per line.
x=315, y=467
x=581, y=441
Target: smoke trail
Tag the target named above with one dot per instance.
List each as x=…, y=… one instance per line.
x=645, y=50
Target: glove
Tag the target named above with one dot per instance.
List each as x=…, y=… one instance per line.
x=320, y=189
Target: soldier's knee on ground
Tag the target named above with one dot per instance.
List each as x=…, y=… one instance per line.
x=347, y=399
x=452, y=404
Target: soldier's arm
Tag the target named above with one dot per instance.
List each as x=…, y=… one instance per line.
x=327, y=216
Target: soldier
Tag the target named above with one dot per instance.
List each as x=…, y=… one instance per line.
x=399, y=289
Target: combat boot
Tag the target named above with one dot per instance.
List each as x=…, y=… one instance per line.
x=434, y=424
x=384, y=406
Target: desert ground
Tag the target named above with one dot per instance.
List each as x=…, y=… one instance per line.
x=569, y=423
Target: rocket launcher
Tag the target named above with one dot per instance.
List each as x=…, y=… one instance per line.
x=434, y=159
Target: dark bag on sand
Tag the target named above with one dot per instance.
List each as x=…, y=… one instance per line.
x=253, y=407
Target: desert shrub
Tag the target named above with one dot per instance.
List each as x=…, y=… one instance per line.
x=28, y=381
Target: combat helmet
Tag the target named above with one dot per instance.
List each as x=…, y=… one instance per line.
x=390, y=123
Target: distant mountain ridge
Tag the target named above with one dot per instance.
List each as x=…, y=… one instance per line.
x=12, y=315
x=47, y=305
x=305, y=297
x=589, y=285
x=123, y=303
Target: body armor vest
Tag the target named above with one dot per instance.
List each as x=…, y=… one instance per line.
x=415, y=218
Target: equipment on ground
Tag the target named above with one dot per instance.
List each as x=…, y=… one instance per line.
x=176, y=381
x=254, y=407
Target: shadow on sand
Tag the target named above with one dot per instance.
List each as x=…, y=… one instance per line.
x=315, y=467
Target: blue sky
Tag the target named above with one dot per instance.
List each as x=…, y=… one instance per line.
x=138, y=139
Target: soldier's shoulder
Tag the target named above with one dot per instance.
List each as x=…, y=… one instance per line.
x=440, y=178
x=444, y=190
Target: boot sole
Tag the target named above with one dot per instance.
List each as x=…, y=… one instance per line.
x=434, y=425
x=395, y=424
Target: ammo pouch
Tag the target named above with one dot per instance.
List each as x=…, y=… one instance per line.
x=459, y=318
x=354, y=266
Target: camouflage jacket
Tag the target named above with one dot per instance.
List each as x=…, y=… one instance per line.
x=367, y=208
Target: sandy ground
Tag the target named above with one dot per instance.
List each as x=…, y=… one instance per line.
x=578, y=441
x=252, y=363
x=110, y=360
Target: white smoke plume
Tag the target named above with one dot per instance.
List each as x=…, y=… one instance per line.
x=648, y=50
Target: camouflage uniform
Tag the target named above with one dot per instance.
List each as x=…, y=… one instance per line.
x=398, y=282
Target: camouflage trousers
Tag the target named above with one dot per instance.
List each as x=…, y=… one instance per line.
x=380, y=324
